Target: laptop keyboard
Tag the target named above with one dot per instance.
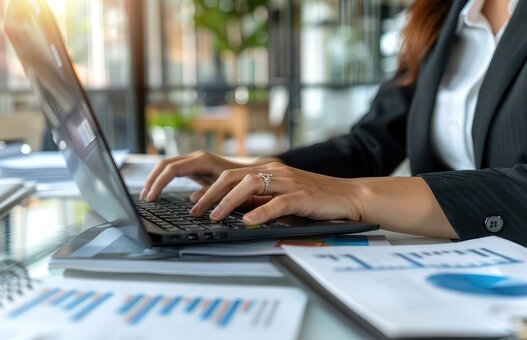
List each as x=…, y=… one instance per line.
x=172, y=213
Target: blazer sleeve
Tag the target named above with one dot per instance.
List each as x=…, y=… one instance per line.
x=375, y=146
x=468, y=197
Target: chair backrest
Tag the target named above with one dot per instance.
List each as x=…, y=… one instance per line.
x=27, y=127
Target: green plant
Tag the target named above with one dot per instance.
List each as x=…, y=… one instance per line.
x=176, y=120
x=235, y=24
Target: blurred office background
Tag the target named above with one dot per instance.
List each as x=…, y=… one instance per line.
x=237, y=77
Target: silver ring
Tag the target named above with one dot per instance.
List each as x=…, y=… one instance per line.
x=267, y=179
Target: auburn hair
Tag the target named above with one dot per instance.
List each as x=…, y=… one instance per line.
x=426, y=18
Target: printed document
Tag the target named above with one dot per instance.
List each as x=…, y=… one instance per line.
x=472, y=288
x=59, y=308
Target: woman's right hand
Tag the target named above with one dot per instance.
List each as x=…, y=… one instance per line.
x=199, y=163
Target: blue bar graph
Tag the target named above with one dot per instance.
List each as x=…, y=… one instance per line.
x=133, y=309
x=170, y=306
x=224, y=320
x=364, y=264
x=209, y=311
x=409, y=259
x=220, y=311
x=63, y=297
x=91, y=307
x=130, y=304
x=192, y=305
x=436, y=259
x=80, y=299
x=67, y=301
x=44, y=295
x=148, y=304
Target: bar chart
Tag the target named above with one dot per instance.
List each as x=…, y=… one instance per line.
x=57, y=308
x=433, y=259
x=218, y=311
x=135, y=308
x=78, y=304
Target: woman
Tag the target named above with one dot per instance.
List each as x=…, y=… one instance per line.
x=457, y=109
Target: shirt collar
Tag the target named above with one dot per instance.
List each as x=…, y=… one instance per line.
x=471, y=15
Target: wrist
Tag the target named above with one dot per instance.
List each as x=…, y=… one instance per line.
x=357, y=195
x=267, y=160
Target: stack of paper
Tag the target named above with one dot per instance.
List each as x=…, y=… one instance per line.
x=466, y=289
x=107, y=249
x=93, y=309
x=274, y=247
x=45, y=166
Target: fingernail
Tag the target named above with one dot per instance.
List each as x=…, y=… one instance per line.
x=194, y=210
x=149, y=197
x=193, y=198
x=250, y=217
x=216, y=213
x=143, y=194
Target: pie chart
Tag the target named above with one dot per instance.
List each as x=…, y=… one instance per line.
x=489, y=285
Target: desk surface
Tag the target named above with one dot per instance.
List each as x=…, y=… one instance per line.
x=38, y=227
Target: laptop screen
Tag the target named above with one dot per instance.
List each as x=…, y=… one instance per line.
x=32, y=30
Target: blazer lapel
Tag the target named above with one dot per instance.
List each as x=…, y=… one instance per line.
x=423, y=103
x=510, y=55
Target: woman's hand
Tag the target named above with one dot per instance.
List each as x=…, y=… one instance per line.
x=199, y=163
x=402, y=204
x=289, y=191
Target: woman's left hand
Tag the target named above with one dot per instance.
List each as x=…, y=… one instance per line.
x=289, y=191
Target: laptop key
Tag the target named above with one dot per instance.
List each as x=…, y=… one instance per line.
x=195, y=228
x=176, y=220
x=165, y=226
x=217, y=227
x=207, y=222
x=173, y=229
x=189, y=226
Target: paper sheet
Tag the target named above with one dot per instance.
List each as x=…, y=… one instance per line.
x=133, y=181
x=274, y=247
x=112, y=240
x=112, y=251
x=472, y=288
x=61, y=308
x=49, y=161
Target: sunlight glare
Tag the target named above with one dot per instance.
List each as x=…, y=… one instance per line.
x=58, y=7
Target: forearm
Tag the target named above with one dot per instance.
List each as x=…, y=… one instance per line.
x=401, y=204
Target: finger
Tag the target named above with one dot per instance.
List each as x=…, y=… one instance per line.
x=279, y=206
x=253, y=202
x=227, y=180
x=156, y=171
x=205, y=181
x=197, y=195
x=194, y=164
x=250, y=185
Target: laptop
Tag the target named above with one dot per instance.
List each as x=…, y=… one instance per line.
x=32, y=29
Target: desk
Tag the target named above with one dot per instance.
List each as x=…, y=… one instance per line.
x=31, y=232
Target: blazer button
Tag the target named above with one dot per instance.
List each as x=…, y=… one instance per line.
x=494, y=224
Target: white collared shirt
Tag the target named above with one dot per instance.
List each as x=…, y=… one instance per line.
x=455, y=106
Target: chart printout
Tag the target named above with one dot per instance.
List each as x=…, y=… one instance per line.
x=59, y=308
x=470, y=288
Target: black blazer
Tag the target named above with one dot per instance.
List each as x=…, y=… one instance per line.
x=398, y=126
